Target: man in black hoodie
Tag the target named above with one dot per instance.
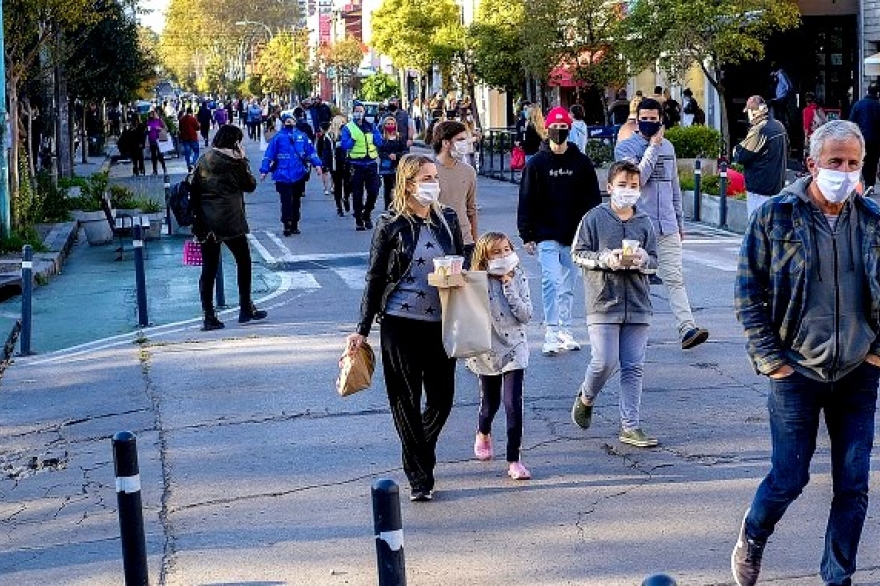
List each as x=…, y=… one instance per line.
x=559, y=185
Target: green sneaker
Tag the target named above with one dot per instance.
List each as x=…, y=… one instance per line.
x=636, y=437
x=581, y=414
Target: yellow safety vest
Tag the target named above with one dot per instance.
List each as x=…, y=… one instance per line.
x=363, y=143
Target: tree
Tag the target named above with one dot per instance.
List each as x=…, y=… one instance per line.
x=497, y=42
x=712, y=34
x=345, y=58
x=283, y=63
x=379, y=86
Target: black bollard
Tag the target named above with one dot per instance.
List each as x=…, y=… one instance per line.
x=388, y=528
x=27, y=297
x=167, y=183
x=131, y=514
x=722, y=214
x=140, y=275
x=698, y=188
x=659, y=580
x=220, y=284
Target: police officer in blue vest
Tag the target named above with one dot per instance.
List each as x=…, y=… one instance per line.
x=360, y=140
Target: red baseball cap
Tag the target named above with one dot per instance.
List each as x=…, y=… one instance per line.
x=558, y=115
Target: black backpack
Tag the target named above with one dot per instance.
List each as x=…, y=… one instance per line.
x=181, y=201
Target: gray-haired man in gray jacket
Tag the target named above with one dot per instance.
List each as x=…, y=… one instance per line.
x=661, y=200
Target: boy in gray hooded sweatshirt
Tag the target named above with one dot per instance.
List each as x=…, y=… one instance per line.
x=618, y=298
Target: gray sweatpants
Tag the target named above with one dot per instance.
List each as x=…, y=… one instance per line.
x=613, y=345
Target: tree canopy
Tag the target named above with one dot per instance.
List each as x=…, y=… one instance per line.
x=405, y=30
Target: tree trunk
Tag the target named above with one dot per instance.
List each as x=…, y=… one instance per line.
x=71, y=131
x=722, y=101
x=83, y=138
x=13, y=83
x=62, y=120
x=31, y=159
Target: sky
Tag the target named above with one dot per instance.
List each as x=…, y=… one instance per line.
x=156, y=18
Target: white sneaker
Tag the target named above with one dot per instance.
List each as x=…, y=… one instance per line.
x=567, y=341
x=551, y=346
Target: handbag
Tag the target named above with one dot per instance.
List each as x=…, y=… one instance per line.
x=517, y=159
x=465, y=317
x=192, y=253
x=356, y=371
x=163, y=134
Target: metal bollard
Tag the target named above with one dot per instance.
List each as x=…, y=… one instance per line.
x=27, y=297
x=388, y=528
x=659, y=580
x=167, y=184
x=140, y=275
x=698, y=188
x=220, y=285
x=131, y=514
x=722, y=215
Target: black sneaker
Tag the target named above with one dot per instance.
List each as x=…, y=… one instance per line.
x=251, y=314
x=745, y=561
x=340, y=213
x=360, y=227
x=295, y=230
x=368, y=223
x=421, y=496
x=694, y=337
x=212, y=323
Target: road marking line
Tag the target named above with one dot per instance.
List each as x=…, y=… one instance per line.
x=261, y=249
x=286, y=253
x=715, y=264
x=353, y=276
x=303, y=280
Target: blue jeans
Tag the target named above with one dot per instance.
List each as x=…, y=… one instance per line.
x=795, y=403
x=557, y=284
x=190, y=152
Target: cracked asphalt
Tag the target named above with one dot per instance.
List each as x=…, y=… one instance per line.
x=255, y=473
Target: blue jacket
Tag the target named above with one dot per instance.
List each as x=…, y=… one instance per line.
x=866, y=113
x=254, y=113
x=347, y=142
x=293, y=151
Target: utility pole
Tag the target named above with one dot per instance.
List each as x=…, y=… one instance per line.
x=5, y=223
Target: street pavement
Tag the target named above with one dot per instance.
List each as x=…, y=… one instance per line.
x=255, y=472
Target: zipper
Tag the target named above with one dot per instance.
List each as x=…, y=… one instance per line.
x=625, y=286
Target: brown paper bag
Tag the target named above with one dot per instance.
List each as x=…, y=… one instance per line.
x=356, y=372
x=466, y=320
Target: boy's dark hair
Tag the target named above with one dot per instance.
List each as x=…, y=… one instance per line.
x=446, y=130
x=649, y=104
x=577, y=112
x=622, y=168
x=325, y=126
x=227, y=136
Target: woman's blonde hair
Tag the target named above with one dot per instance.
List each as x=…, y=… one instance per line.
x=483, y=248
x=336, y=125
x=407, y=171
x=385, y=134
x=536, y=118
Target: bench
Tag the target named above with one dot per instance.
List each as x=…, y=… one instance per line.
x=122, y=224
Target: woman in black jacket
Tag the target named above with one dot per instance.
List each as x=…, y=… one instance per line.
x=339, y=170
x=220, y=180
x=407, y=238
x=393, y=147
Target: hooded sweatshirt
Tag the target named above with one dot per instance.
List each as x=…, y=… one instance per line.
x=661, y=192
x=555, y=193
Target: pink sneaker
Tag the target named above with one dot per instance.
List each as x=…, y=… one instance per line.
x=483, y=447
x=518, y=472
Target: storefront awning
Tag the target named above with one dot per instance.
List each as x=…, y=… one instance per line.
x=872, y=65
x=563, y=77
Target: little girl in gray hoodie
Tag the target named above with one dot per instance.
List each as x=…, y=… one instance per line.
x=502, y=369
x=618, y=303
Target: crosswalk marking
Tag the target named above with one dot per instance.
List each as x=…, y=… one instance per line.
x=286, y=254
x=303, y=280
x=255, y=242
x=353, y=276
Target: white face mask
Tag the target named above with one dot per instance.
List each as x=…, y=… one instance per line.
x=836, y=186
x=459, y=149
x=624, y=197
x=427, y=193
x=502, y=266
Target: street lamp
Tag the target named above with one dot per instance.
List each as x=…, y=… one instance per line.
x=247, y=22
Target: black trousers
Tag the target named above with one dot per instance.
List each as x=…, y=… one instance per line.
x=211, y=260
x=341, y=187
x=509, y=388
x=290, y=195
x=156, y=156
x=413, y=357
x=872, y=158
x=137, y=161
x=388, y=183
x=364, y=177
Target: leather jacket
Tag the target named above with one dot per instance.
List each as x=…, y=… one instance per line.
x=394, y=241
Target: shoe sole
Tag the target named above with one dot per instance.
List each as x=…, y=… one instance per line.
x=211, y=329
x=701, y=337
x=250, y=319
x=735, y=547
x=517, y=477
x=638, y=443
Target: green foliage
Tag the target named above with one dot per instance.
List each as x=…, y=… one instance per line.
x=284, y=63
x=92, y=190
x=600, y=152
x=406, y=30
x=497, y=38
x=379, y=86
x=147, y=205
x=55, y=203
x=123, y=198
x=695, y=142
x=709, y=184
x=19, y=237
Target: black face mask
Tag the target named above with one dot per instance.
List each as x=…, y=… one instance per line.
x=392, y=107
x=648, y=128
x=558, y=135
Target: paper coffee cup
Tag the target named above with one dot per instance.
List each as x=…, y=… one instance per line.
x=443, y=265
x=630, y=246
x=456, y=264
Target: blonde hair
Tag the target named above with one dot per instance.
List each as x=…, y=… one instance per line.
x=385, y=134
x=483, y=247
x=536, y=118
x=407, y=171
x=336, y=125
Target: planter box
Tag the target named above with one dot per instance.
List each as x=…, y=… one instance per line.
x=96, y=227
x=155, y=219
x=710, y=211
x=707, y=166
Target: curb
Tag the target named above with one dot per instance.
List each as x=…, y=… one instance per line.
x=59, y=241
